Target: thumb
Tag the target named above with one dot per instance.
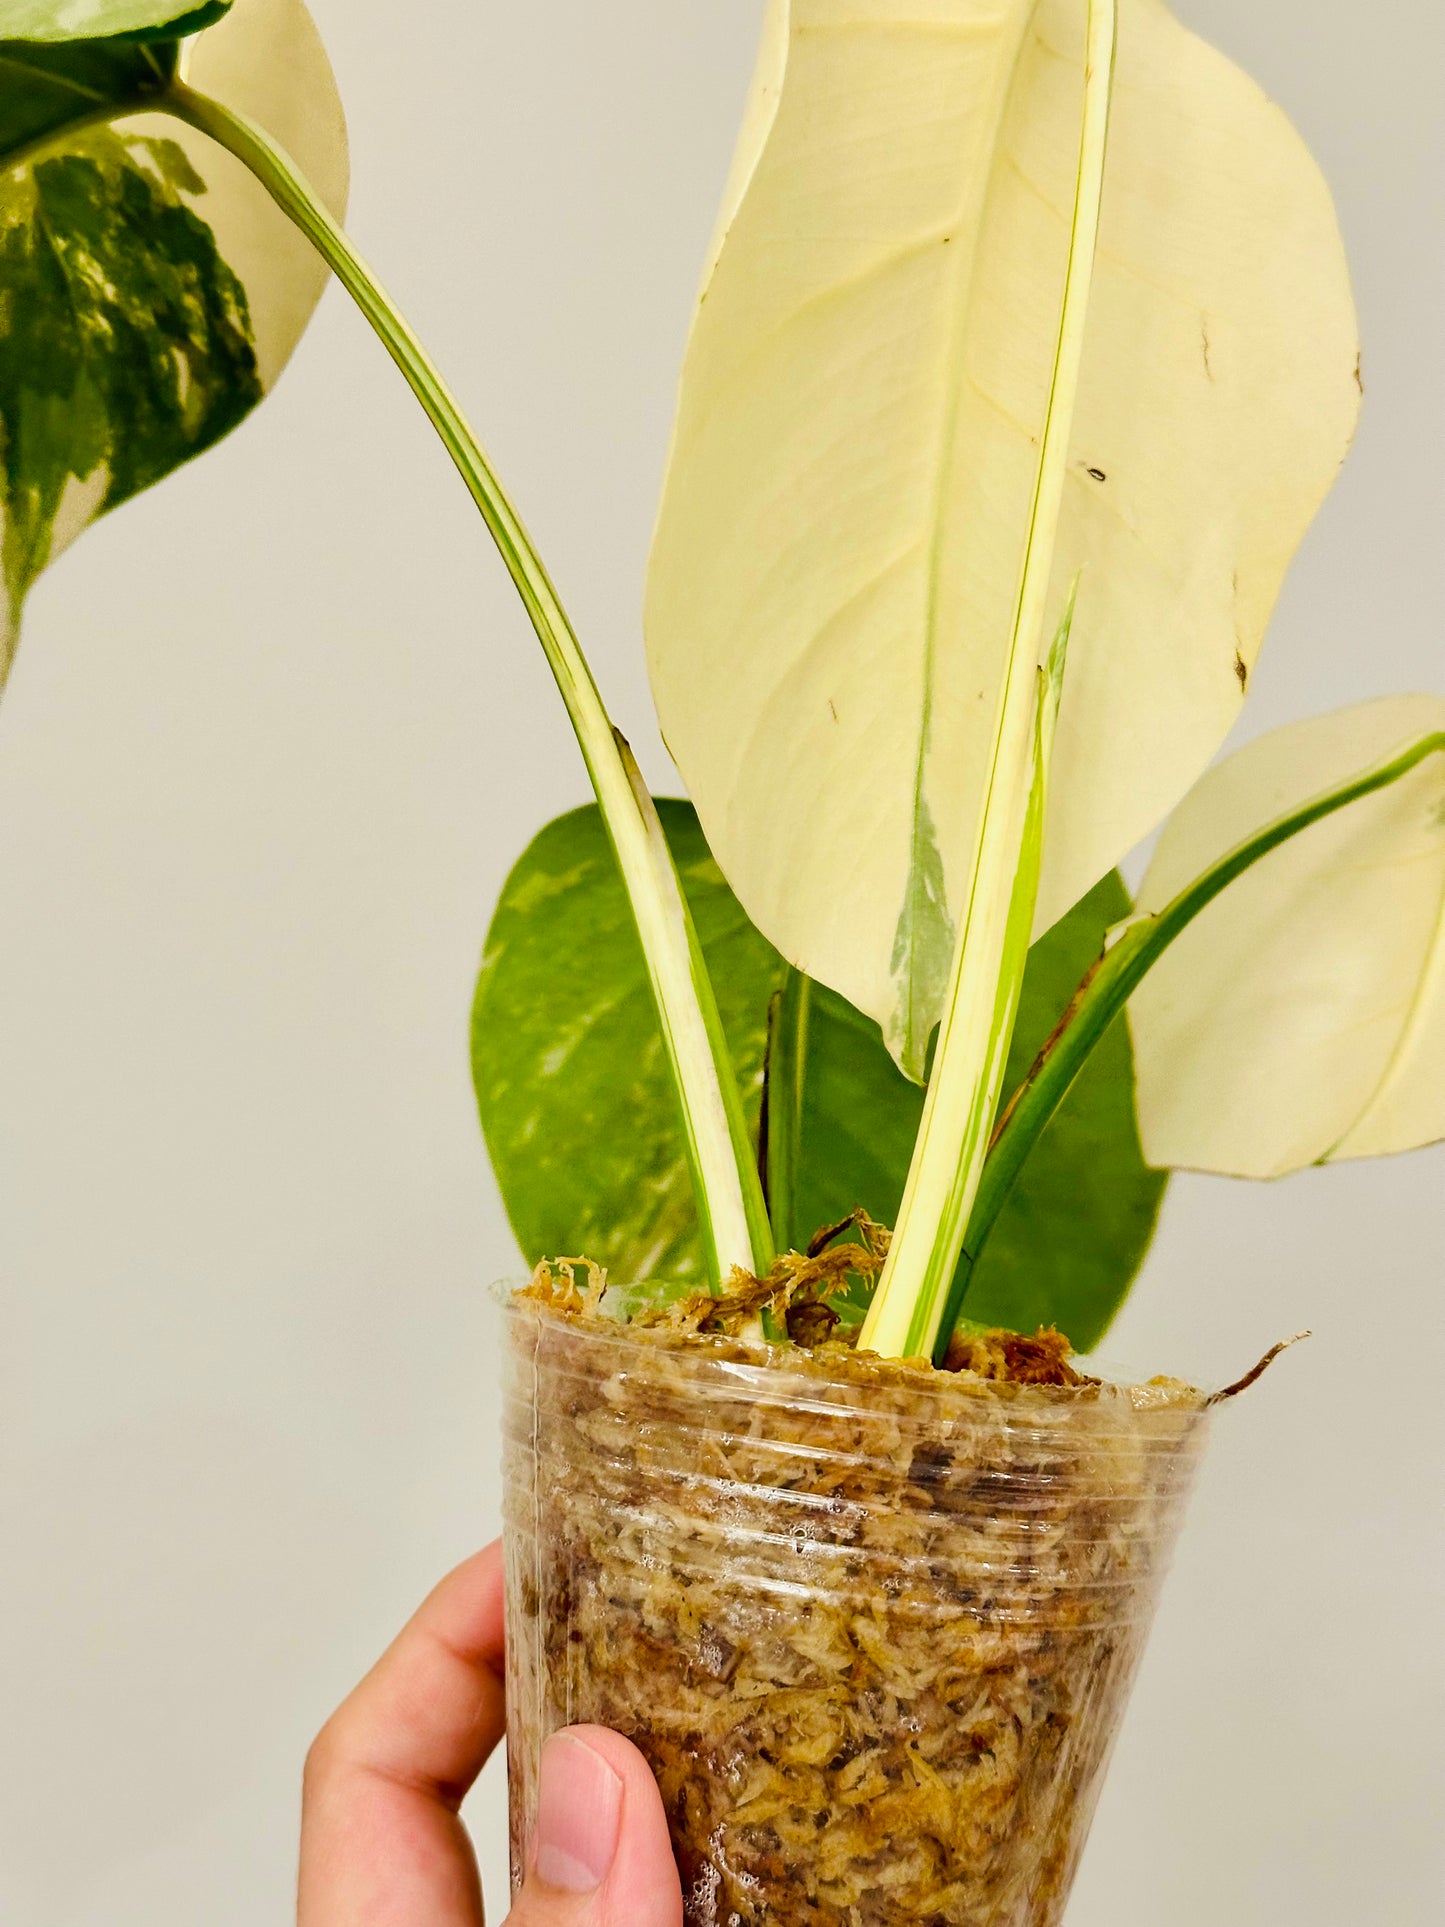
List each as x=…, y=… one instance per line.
x=600, y=1855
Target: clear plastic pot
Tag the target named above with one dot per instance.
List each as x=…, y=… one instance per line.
x=873, y=1625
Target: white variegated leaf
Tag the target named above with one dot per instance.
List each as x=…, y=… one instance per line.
x=150, y=290
x=837, y=554
x=1301, y=1017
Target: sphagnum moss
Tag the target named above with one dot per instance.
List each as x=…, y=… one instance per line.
x=872, y=1624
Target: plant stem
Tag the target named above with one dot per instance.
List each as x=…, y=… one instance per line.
x=789, y=1016
x=983, y=996
x=1114, y=978
x=729, y=1196
x=683, y=940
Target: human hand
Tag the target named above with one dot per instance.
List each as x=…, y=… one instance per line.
x=382, y=1843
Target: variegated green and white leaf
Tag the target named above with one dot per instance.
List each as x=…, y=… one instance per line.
x=150, y=292
x=62, y=20
x=1301, y=1017
x=838, y=548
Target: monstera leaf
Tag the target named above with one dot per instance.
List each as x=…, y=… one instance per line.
x=150, y=293
x=839, y=543
x=1301, y=1017
x=580, y=1118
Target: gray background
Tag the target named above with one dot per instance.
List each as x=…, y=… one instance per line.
x=275, y=735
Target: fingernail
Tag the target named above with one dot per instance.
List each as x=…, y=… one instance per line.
x=579, y=1810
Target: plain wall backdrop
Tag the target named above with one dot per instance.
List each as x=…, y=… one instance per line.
x=275, y=735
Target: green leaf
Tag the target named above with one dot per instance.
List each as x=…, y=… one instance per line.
x=45, y=90
x=580, y=1121
x=149, y=291
x=780, y=1129
x=571, y=1075
x=1070, y=1239
x=69, y=20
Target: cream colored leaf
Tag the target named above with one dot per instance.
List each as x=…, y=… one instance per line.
x=1301, y=1017
x=759, y=113
x=838, y=548
x=266, y=60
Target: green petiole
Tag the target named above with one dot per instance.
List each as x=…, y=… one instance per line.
x=1107, y=988
x=731, y=1210
x=781, y=1139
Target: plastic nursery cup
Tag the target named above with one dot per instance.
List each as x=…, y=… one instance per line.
x=873, y=1626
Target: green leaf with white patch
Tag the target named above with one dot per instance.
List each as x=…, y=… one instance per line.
x=576, y=1102
x=150, y=292
x=118, y=310
x=65, y=20
x=1300, y=1018
x=837, y=556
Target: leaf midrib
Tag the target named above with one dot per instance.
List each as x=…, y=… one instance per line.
x=962, y=299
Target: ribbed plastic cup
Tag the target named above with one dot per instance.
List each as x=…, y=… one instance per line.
x=872, y=1625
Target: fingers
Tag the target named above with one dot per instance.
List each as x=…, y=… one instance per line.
x=380, y=1841
x=601, y=1855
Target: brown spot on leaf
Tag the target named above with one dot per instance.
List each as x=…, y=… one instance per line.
x=1241, y=670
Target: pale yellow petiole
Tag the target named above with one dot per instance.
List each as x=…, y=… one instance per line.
x=987, y=972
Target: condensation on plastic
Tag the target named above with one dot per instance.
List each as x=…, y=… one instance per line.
x=873, y=1627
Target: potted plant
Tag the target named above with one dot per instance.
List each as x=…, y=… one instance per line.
x=1025, y=354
